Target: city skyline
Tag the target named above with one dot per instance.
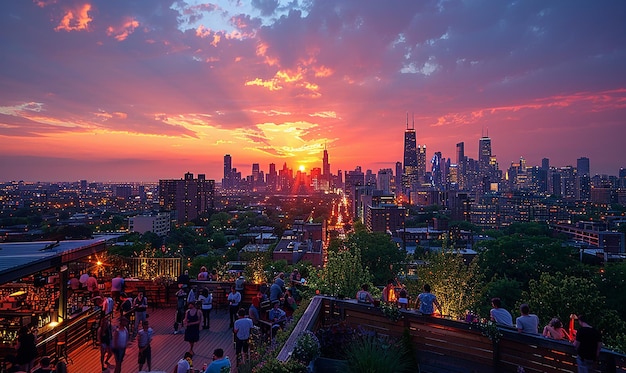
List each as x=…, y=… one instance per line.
x=149, y=90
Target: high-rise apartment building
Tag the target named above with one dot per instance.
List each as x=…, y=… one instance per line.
x=582, y=166
x=187, y=198
x=384, y=179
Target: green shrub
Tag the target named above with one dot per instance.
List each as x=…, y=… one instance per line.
x=370, y=354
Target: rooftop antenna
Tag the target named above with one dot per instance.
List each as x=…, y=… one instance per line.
x=407, y=120
x=413, y=114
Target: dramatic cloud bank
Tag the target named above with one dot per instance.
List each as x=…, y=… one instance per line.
x=148, y=89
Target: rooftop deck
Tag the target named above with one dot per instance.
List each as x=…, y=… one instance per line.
x=167, y=348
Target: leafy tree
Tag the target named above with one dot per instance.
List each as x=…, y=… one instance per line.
x=378, y=253
x=560, y=295
x=343, y=273
x=509, y=291
x=454, y=282
x=153, y=239
x=523, y=258
x=612, y=283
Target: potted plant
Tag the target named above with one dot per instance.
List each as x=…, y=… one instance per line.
x=307, y=347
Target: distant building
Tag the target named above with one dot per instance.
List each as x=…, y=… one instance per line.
x=156, y=223
x=187, y=197
x=593, y=234
x=305, y=242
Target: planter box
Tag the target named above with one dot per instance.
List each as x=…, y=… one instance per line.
x=328, y=365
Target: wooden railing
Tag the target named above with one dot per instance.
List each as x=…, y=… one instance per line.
x=444, y=345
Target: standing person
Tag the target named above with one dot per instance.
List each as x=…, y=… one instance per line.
x=191, y=297
x=528, y=322
x=108, y=305
x=119, y=343
x=117, y=287
x=363, y=295
x=140, y=305
x=426, y=302
x=587, y=344
x=105, y=334
x=193, y=319
x=184, y=364
x=239, y=283
x=220, y=363
x=144, y=338
x=234, y=298
x=500, y=315
x=206, y=300
x=126, y=306
x=92, y=284
x=242, y=328
x=184, y=278
x=181, y=304
x=555, y=330
x=26, y=348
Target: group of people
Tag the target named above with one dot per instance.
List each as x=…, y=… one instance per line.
x=425, y=303
x=586, y=339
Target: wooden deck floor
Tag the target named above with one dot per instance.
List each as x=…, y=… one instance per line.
x=167, y=348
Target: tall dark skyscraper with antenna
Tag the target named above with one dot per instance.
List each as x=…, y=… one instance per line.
x=484, y=154
x=409, y=177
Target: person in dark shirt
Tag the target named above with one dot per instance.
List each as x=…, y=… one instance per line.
x=184, y=278
x=44, y=366
x=588, y=344
x=26, y=348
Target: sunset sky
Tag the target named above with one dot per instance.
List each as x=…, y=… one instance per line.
x=150, y=89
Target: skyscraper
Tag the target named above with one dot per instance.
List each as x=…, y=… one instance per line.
x=421, y=164
x=582, y=166
x=325, y=165
x=398, y=179
x=484, y=155
x=384, y=179
x=461, y=165
x=410, y=157
x=227, y=182
x=326, y=176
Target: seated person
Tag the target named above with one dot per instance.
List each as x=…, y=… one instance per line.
x=44, y=366
x=277, y=316
x=403, y=298
x=363, y=295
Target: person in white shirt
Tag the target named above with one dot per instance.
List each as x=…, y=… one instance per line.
x=234, y=298
x=527, y=322
x=144, y=338
x=242, y=328
x=119, y=343
x=500, y=315
x=184, y=364
x=206, y=300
